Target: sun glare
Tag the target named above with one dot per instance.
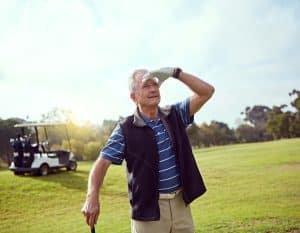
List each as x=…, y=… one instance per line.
x=81, y=116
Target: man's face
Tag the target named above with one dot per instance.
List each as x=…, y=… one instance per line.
x=147, y=93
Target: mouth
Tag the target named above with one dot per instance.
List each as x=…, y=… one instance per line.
x=153, y=97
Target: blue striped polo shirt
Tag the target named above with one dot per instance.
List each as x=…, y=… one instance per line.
x=169, y=177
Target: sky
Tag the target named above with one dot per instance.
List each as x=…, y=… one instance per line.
x=78, y=55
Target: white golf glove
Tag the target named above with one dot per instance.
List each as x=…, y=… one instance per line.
x=161, y=74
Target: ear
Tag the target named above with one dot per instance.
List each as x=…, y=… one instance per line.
x=133, y=97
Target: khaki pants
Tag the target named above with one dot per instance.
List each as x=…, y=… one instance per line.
x=175, y=217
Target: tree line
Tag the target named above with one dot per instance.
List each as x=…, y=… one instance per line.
x=260, y=123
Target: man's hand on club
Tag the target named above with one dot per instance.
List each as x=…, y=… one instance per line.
x=161, y=74
x=91, y=210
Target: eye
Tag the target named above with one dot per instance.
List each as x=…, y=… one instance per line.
x=146, y=86
x=149, y=84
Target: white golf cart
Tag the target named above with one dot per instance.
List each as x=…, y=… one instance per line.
x=36, y=158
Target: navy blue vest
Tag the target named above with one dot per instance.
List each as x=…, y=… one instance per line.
x=142, y=160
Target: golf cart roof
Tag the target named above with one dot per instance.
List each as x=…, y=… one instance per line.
x=42, y=124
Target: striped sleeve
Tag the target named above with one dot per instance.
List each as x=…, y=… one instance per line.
x=183, y=108
x=114, y=148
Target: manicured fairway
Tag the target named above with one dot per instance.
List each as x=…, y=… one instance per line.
x=251, y=188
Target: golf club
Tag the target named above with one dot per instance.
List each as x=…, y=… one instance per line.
x=93, y=229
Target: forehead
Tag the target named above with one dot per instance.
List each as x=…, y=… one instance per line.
x=150, y=81
x=141, y=82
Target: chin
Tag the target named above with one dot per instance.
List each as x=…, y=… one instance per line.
x=154, y=103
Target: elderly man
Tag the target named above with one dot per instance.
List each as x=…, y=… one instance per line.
x=163, y=178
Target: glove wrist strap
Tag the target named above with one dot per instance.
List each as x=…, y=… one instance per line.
x=177, y=72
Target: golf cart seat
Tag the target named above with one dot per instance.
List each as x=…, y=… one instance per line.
x=29, y=151
x=18, y=151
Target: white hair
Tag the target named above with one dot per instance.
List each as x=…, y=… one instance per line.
x=132, y=81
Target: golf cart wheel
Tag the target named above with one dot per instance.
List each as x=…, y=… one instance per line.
x=72, y=166
x=44, y=170
x=18, y=173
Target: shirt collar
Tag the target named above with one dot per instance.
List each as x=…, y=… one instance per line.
x=140, y=121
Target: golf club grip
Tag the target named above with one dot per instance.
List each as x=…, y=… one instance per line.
x=93, y=230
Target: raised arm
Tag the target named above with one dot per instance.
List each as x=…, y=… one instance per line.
x=91, y=207
x=202, y=90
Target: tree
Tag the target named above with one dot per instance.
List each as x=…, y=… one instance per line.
x=221, y=133
x=248, y=133
x=57, y=115
x=295, y=117
x=8, y=131
x=295, y=125
x=77, y=147
x=296, y=102
x=194, y=134
x=92, y=150
x=285, y=124
x=206, y=136
x=278, y=122
x=217, y=133
x=257, y=115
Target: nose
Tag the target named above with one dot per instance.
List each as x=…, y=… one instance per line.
x=154, y=89
x=154, y=86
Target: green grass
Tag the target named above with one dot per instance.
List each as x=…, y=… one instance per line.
x=251, y=188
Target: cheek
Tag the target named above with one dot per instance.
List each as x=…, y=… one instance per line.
x=138, y=97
